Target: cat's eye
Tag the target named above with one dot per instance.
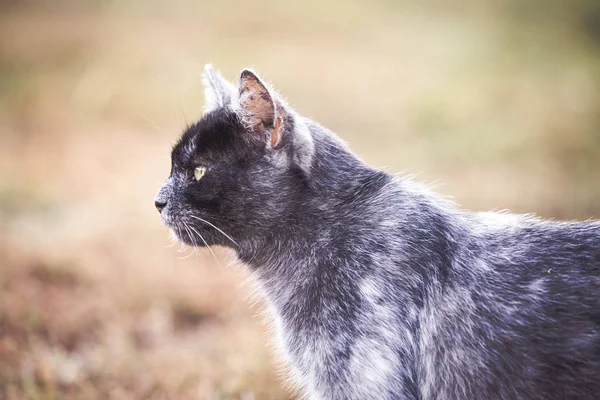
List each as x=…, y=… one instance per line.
x=199, y=172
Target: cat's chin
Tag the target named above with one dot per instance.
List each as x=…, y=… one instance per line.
x=173, y=235
x=177, y=236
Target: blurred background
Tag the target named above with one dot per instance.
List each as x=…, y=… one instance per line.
x=496, y=102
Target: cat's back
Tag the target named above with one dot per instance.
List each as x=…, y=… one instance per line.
x=550, y=271
x=564, y=255
x=523, y=309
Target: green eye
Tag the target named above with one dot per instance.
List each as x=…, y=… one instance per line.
x=199, y=172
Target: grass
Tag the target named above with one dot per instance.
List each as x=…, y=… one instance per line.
x=497, y=101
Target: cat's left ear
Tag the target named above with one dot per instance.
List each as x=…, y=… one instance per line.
x=218, y=92
x=260, y=110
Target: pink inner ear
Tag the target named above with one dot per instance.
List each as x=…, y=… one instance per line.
x=257, y=103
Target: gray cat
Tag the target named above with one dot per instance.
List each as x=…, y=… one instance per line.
x=380, y=289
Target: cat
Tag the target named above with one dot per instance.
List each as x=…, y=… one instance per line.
x=379, y=288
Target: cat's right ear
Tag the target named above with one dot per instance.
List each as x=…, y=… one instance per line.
x=218, y=92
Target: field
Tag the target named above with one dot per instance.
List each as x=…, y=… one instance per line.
x=496, y=103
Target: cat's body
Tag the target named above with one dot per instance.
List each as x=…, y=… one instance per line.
x=380, y=289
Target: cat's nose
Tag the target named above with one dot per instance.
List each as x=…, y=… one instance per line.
x=160, y=205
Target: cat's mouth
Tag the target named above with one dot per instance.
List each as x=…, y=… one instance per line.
x=180, y=230
x=188, y=234
x=200, y=233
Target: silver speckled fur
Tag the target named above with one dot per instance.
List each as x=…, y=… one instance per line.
x=381, y=289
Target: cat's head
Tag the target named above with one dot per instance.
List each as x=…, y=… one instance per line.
x=236, y=172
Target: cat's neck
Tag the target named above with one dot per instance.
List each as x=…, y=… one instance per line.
x=337, y=187
x=335, y=170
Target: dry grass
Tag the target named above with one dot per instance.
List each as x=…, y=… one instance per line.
x=499, y=105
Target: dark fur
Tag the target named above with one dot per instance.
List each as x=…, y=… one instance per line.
x=381, y=289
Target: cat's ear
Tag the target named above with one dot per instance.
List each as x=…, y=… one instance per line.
x=218, y=92
x=260, y=110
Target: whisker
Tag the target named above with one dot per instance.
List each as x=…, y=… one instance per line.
x=189, y=232
x=172, y=238
x=152, y=123
x=186, y=247
x=187, y=255
x=206, y=244
x=224, y=234
x=194, y=242
x=182, y=246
